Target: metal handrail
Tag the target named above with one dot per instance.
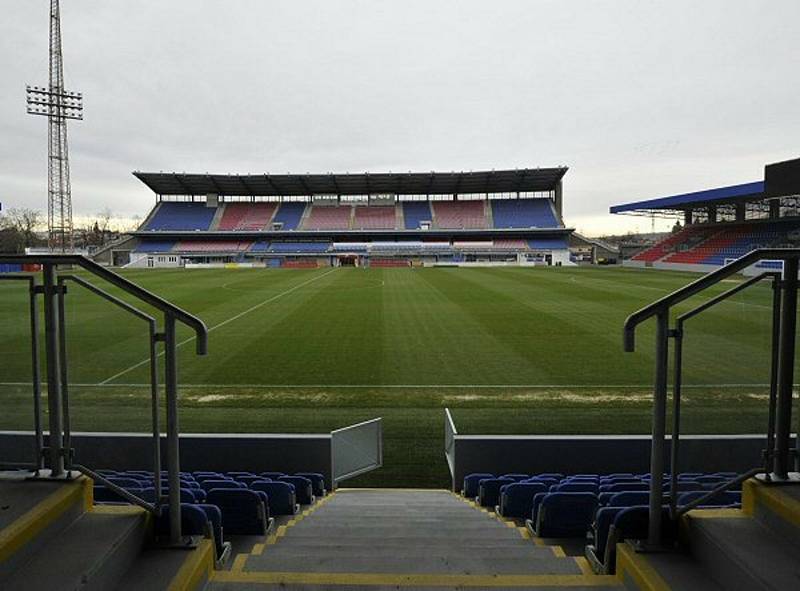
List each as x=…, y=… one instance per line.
x=678, y=335
x=193, y=322
x=783, y=365
x=58, y=404
x=695, y=287
x=36, y=373
x=154, y=401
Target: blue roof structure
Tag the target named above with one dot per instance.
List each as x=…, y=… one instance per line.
x=731, y=193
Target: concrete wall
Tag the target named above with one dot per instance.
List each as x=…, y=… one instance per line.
x=221, y=452
x=498, y=454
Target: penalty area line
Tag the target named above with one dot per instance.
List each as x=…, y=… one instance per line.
x=220, y=325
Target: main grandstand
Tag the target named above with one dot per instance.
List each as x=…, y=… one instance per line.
x=719, y=226
x=378, y=220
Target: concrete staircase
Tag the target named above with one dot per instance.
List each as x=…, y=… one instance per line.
x=385, y=539
x=755, y=548
x=52, y=537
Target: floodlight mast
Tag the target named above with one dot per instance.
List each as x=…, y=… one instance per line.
x=58, y=105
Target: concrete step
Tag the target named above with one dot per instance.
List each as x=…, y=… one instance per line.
x=414, y=563
x=399, y=542
x=92, y=553
x=742, y=553
x=156, y=569
x=381, y=551
x=775, y=506
x=377, y=532
x=662, y=571
x=34, y=511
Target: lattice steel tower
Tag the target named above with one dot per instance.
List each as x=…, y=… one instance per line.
x=58, y=105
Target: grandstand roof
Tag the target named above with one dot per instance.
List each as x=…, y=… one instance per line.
x=411, y=183
x=730, y=194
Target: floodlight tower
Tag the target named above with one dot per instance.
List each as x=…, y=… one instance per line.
x=58, y=105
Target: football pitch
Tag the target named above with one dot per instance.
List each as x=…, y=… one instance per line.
x=509, y=350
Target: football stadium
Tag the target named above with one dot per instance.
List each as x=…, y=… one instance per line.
x=391, y=380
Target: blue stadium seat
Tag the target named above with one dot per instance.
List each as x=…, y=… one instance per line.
x=175, y=215
x=125, y=482
x=515, y=477
x=627, y=486
x=243, y=511
x=194, y=521
x=625, y=498
x=489, y=491
x=317, y=482
x=273, y=475
x=149, y=495
x=303, y=489
x=214, y=515
x=564, y=514
x=208, y=485
x=597, y=549
x=281, y=496
x=471, y=482
x=516, y=500
x=247, y=480
x=575, y=486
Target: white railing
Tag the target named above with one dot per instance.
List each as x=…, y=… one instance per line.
x=450, y=441
x=356, y=449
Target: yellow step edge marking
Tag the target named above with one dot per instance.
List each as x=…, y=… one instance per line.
x=717, y=514
x=583, y=564
x=558, y=551
x=28, y=525
x=199, y=565
x=408, y=580
x=238, y=562
x=638, y=570
x=786, y=507
x=258, y=548
x=117, y=510
x=523, y=531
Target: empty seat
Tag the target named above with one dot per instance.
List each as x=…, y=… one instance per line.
x=489, y=491
x=243, y=511
x=625, y=498
x=303, y=489
x=208, y=485
x=149, y=495
x=317, y=482
x=471, y=482
x=214, y=515
x=515, y=477
x=281, y=496
x=589, y=487
x=247, y=480
x=624, y=486
x=273, y=475
x=125, y=482
x=564, y=514
x=597, y=550
x=516, y=500
x=194, y=521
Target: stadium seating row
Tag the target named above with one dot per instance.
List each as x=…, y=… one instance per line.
x=451, y=215
x=604, y=508
x=238, y=503
x=322, y=247
x=714, y=244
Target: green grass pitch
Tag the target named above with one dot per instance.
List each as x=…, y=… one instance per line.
x=509, y=350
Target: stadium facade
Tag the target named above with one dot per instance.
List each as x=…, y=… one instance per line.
x=724, y=223
x=379, y=220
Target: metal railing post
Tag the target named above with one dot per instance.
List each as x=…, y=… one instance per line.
x=51, y=323
x=36, y=376
x=769, y=460
x=676, y=419
x=63, y=373
x=154, y=411
x=659, y=428
x=173, y=451
x=783, y=415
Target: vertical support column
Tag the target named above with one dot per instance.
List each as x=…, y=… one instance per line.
x=558, y=199
x=36, y=375
x=783, y=416
x=774, y=209
x=63, y=375
x=659, y=429
x=676, y=420
x=53, y=370
x=154, y=410
x=769, y=464
x=687, y=217
x=173, y=451
x=740, y=212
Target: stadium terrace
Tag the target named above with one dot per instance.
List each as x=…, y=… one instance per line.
x=385, y=219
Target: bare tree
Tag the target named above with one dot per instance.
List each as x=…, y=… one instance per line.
x=23, y=223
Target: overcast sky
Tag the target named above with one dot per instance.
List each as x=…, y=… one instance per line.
x=639, y=98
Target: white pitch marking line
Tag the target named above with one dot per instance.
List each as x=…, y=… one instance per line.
x=221, y=324
x=412, y=386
